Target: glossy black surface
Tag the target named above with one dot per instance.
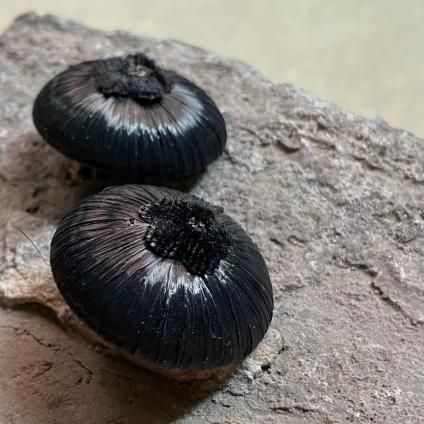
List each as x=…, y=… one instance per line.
x=149, y=303
x=128, y=116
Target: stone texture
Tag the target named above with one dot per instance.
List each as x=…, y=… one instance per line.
x=334, y=201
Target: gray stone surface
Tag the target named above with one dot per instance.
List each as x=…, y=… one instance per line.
x=334, y=201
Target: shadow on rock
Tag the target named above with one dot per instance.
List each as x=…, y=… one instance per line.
x=47, y=372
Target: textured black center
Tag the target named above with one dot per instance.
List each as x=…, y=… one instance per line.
x=187, y=232
x=135, y=76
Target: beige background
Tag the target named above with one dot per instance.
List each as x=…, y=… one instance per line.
x=366, y=55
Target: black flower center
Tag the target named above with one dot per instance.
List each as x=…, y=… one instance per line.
x=188, y=232
x=135, y=76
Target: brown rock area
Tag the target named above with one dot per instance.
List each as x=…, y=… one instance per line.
x=335, y=202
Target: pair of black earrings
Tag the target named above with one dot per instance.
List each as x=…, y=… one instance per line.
x=161, y=274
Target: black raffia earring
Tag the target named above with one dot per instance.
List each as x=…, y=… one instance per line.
x=165, y=277
x=127, y=116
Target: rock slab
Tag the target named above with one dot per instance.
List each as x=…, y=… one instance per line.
x=334, y=201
